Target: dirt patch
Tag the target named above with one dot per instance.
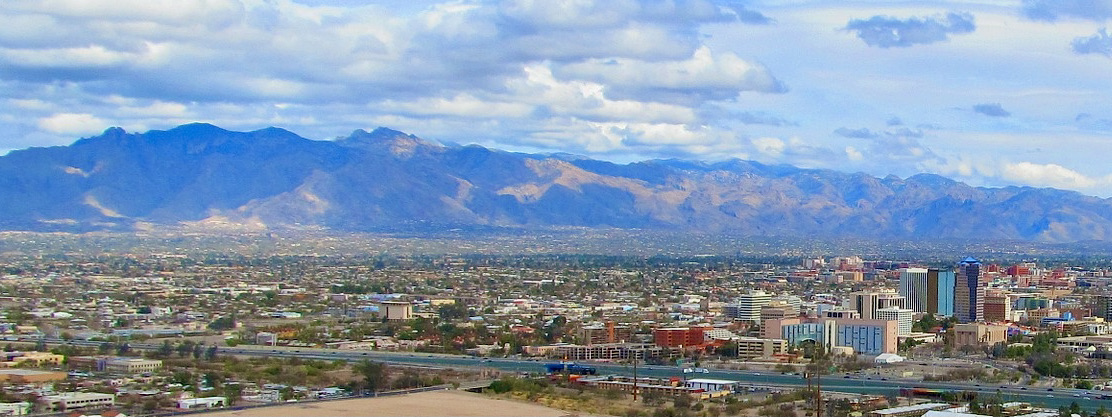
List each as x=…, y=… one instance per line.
x=435, y=403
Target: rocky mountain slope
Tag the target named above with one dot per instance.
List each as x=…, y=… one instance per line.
x=199, y=175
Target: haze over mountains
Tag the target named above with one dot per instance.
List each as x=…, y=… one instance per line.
x=203, y=176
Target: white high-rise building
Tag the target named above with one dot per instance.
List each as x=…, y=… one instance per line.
x=868, y=302
x=748, y=306
x=905, y=316
x=913, y=287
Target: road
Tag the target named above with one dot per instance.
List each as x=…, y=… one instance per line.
x=1052, y=398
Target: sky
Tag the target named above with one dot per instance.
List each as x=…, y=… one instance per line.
x=993, y=93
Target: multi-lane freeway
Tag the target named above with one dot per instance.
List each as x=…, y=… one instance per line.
x=1048, y=397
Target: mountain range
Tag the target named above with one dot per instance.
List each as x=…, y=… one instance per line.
x=199, y=175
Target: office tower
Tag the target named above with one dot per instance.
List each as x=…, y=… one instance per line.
x=868, y=302
x=940, y=292
x=913, y=287
x=1103, y=306
x=969, y=291
x=748, y=306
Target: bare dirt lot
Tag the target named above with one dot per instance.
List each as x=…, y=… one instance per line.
x=434, y=403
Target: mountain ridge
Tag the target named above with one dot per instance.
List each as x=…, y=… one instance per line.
x=202, y=175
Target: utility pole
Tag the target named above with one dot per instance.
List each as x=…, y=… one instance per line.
x=634, y=375
x=818, y=394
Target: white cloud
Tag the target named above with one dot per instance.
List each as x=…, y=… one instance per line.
x=704, y=74
x=1051, y=175
x=72, y=123
x=853, y=154
x=769, y=146
x=462, y=105
x=617, y=79
x=83, y=57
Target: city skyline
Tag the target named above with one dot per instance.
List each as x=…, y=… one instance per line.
x=990, y=93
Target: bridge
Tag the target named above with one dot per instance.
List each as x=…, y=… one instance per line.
x=475, y=386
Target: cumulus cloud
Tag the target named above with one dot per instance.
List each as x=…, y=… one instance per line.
x=1051, y=175
x=1052, y=10
x=769, y=146
x=499, y=69
x=704, y=76
x=72, y=123
x=853, y=154
x=991, y=110
x=1099, y=43
x=889, y=32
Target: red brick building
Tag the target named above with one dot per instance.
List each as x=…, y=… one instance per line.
x=680, y=336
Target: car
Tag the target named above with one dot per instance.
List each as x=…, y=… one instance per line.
x=847, y=376
x=1050, y=389
x=884, y=379
x=1023, y=388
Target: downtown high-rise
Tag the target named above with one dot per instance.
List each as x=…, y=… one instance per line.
x=928, y=290
x=969, y=291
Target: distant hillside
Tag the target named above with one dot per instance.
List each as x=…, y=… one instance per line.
x=200, y=175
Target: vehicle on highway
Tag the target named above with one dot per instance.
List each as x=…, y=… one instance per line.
x=571, y=368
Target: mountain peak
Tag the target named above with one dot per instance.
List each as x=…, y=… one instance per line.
x=197, y=128
x=380, y=134
x=398, y=143
x=384, y=178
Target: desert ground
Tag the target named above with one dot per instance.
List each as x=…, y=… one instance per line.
x=433, y=403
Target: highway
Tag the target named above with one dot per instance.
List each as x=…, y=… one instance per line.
x=1052, y=398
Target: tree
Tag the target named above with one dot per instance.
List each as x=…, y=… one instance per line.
x=453, y=311
x=165, y=350
x=375, y=374
x=185, y=348
x=223, y=323
x=233, y=392
x=925, y=324
x=213, y=379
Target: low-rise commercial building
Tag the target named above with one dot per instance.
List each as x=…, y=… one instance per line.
x=610, y=351
x=752, y=347
x=21, y=408
x=871, y=337
x=132, y=365
x=77, y=400
x=30, y=376
x=976, y=334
